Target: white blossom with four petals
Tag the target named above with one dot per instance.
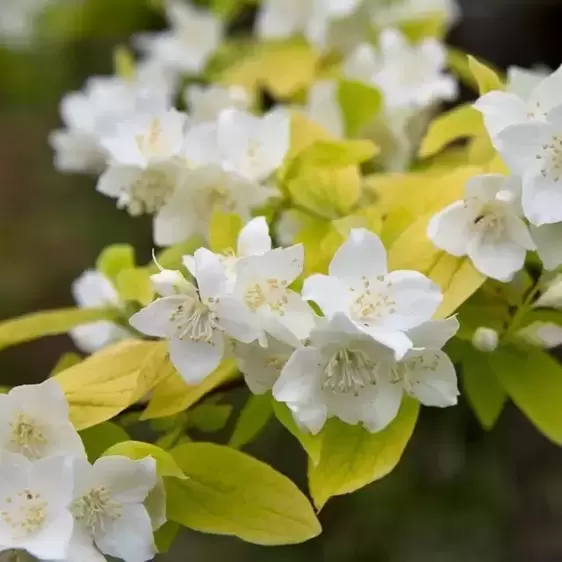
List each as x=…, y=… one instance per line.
x=487, y=226
x=187, y=46
x=35, y=500
x=381, y=304
x=197, y=321
x=108, y=509
x=34, y=422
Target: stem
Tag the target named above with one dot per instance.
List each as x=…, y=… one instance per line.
x=524, y=308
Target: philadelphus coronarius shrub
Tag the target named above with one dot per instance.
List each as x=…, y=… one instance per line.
x=337, y=246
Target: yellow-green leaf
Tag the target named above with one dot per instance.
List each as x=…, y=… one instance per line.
x=252, y=421
x=351, y=457
x=486, y=78
x=533, y=380
x=360, y=104
x=230, y=493
x=312, y=444
x=482, y=389
x=135, y=285
x=223, y=231
x=114, y=259
x=165, y=462
x=124, y=63
x=209, y=418
x=165, y=535
x=100, y=437
x=337, y=153
x=172, y=395
x=106, y=383
x=283, y=68
x=171, y=258
x=462, y=121
x=49, y=323
x=66, y=361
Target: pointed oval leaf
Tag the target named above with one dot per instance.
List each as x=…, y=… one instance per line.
x=230, y=493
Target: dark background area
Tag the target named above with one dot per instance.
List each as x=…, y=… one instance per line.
x=459, y=494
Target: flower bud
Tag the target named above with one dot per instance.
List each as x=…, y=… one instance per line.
x=485, y=339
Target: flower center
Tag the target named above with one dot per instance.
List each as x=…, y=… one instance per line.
x=94, y=507
x=27, y=437
x=491, y=219
x=150, y=143
x=551, y=159
x=369, y=305
x=148, y=193
x=348, y=371
x=24, y=513
x=403, y=373
x=195, y=321
x=272, y=292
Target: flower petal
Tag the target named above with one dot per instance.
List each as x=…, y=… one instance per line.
x=254, y=239
x=542, y=200
x=329, y=293
x=361, y=255
x=196, y=360
x=450, y=229
x=155, y=320
x=500, y=110
x=548, y=239
x=434, y=333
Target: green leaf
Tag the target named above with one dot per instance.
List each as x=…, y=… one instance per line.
x=486, y=78
x=106, y=383
x=352, y=457
x=230, y=493
x=66, y=360
x=337, y=154
x=172, y=395
x=224, y=230
x=124, y=64
x=49, y=323
x=543, y=315
x=462, y=121
x=135, y=285
x=171, y=258
x=312, y=444
x=165, y=462
x=533, y=380
x=481, y=386
x=99, y=438
x=360, y=104
x=252, y=421
x=114, y=259
x=209, y=418
x=165, y=535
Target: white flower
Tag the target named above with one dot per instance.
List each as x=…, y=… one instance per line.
x=323, y=106
x=253, y=147
x=108, y=509
x=261, y=365
x=502, y=109
x=262, y=283
x=523, y=81
x=206, y=102
x=94, y=113
x=253, y=240
x=92, y=290
x=34, y=505
x=312, y=18
x=533, y=150
x=288, y=226
x=194, y=36
x=486, y=226
x=145, y=166
x=197, y=321
x=34, y=422
x=347, y=374
x=206, y=188
x=412, y=76
x=336, y=377
x=542, y=334
x=17, y=20
x=485, y=339
x=381, y=304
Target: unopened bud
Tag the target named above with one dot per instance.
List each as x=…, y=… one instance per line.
x=485, y=339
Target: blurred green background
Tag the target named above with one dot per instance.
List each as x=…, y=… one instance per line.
x=459, y=494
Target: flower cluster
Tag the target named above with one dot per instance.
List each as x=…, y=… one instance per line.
x=503, y=217
x=55, y=504
x=375, y=340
